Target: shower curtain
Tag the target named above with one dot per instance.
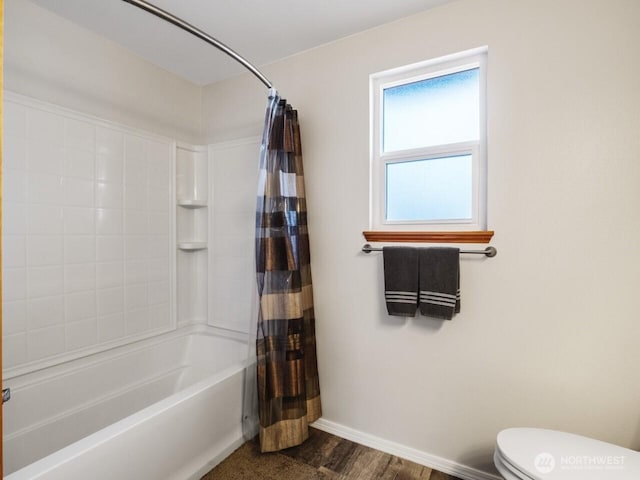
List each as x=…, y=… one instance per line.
x=287, y=372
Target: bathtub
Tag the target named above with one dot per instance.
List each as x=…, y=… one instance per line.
x=164, y=408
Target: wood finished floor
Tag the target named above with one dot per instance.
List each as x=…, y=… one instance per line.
x=322, y=456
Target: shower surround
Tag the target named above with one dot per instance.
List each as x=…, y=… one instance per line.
x=120, y=321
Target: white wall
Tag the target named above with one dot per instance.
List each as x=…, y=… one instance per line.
x=51, y=59
x=549, y=328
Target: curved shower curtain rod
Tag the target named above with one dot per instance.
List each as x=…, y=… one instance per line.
x=178, y=22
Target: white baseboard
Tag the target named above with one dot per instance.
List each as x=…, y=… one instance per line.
x=432, y=461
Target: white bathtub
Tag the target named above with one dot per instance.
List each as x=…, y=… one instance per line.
x=164, y=408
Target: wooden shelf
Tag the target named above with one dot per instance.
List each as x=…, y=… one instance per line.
x=483, y=236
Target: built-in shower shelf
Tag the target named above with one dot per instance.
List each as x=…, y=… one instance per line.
x=192, y=203
x=192, y=246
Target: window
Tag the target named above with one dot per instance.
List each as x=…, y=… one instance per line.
x=428, y=165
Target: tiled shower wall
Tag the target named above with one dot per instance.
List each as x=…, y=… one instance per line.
x=87, y=234
x=232, y=279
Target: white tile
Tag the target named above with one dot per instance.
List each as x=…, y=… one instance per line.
x=136, y=321
x=14, y=136
x=109, y=141
x=135, y=222
x=79, y=306
x=79, y=249
x=44, y=219
x=240, y=199
x=159, y=316
x=45, y=141
x=135, y=272
x=158, y=199
x=79, y=221
x=109, y=195
x=134, y=147
x=14, y=350
x=109, y=248
x=135, y=297
x=45, y=312
x=225, y=267
x=13, y=251
x=78, y=192
x=225, y=308
x=136, y=247
x=159, y=175
x=158, y=293
x=158, y=246
x=135, y=197
x=80, y=277
x=159, y=223
x=158, y=270
x=237, y=246
x=111, y=327
x=45, y=342
x=14, y=317
x=14, y=218
x=45, y=281
x=44, y=126
x=109, y=275
x=44, y=188
x=82, y=334
x=110, y=301
x=45, y=157
x=109, y=168
x=234, y=223
x=14, y=185
x=108, y=221
x=79, y=134
x=14, y=284
x=135, y=171
x=79, y=163
x=44, y=250
x=158, y=152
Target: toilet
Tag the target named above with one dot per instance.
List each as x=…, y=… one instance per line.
x=539, y=454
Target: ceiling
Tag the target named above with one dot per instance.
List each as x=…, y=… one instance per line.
x=259, y=30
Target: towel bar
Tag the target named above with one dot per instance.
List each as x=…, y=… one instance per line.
x=489, y=251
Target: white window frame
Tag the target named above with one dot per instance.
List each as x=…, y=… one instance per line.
x=476, y=58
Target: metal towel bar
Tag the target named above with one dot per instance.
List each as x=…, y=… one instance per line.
x=489, y=251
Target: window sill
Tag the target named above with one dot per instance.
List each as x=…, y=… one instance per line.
x=483, y=236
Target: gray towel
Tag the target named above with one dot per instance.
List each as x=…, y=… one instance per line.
x=401, y=280
x=439, y=282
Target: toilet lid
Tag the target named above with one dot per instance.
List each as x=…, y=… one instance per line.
x=508, y=471
x=550, y=455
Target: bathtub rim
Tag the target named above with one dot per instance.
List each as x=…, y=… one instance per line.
x=27, y=378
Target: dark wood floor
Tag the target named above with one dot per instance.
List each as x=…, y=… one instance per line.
x=322, y=456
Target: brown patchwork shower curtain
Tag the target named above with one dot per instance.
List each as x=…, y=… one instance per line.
x=288, y=385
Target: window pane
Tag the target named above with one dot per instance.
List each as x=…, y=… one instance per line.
x=430, y=112
x=430, y=190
